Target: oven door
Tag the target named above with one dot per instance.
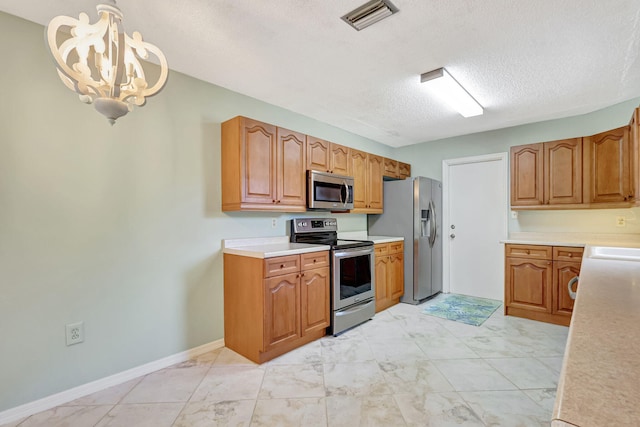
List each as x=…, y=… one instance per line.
x=353, y=276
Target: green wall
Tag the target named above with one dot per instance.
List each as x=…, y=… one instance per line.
x=120, y=226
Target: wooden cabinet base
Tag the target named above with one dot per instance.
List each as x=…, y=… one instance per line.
x=536, y=281
x=274, y=305
x=282, y=349
x=539, y=316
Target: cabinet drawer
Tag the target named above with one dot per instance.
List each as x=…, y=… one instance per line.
x=562, y=253
x=528, y=251
x=381, y=249
x=281, y=265
x=315, y=260
x=396, y=247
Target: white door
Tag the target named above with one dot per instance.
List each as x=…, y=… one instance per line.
x=475, y=220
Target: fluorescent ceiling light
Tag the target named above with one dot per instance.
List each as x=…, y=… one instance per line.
x=446, y=87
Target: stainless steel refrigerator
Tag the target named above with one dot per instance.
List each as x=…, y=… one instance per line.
x=413, y=210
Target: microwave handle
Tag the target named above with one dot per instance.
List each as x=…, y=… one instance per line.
x=346, y=192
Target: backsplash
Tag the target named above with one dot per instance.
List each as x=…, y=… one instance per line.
x=600, y=221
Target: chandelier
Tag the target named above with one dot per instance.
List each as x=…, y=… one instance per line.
x=102, y=63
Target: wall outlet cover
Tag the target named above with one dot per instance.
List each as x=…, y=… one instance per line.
x=75, y=333
x=621, y=221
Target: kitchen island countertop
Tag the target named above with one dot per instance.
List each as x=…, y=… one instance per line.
x=600, y=372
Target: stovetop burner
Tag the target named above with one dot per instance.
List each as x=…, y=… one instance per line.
x=322, y=231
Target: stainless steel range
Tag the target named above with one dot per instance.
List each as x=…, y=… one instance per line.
x=352, y=271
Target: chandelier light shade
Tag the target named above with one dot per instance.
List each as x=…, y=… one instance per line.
x=450, y=91
x=102, y=63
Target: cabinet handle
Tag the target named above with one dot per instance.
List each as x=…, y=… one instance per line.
x=527, y=251
x=572, y=294
x=314, y=260
x=302, y=275
x=570, y=255
x=281, y=265
x=273, y=201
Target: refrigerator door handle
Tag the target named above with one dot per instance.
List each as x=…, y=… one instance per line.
x=432, y=222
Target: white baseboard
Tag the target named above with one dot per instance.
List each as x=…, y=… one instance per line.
x=63, y=397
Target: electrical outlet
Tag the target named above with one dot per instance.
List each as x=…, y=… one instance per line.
x=274, y=223
x=621, y=221
x=514, y=214
x=75, y=333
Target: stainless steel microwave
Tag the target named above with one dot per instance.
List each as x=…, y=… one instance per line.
x=329, y=191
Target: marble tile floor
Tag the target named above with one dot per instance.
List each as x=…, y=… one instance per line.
x=403, y=368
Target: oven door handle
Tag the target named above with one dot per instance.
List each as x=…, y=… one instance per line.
x=354, y=308
x=347, y=253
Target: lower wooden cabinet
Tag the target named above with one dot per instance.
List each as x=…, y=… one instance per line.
x=389, y=274
x=274, y=305
x=536, y=281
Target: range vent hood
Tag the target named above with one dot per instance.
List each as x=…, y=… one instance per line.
x=369, y=13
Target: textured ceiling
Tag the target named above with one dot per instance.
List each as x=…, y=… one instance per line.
x=524, y=61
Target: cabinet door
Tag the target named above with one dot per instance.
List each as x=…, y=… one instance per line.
x=610, y=166
x=291, y=172
x=563, y=272
x=281, y=310
x=375, y=165
x=359, y=171
x=528, y=284
x=527, y=171
x=391, y=168
x=340, y=159
x=396, y=276
x=404, y=170
x=381, y=285
x=317, y=154
x=563, y=171
x=259, y=162
x=634, y=135
x=315, y=308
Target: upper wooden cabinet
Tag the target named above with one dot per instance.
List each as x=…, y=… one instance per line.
x=404, y=170
x=394, y=169
x=597, y=171
x=367, y=187
x=527, y=182
x=390, y=168
x=326, y=156
x=563, y=171
x=609, y=166
x=263, y=167
x=359, y=172
x=547, y=174
x=634, y=136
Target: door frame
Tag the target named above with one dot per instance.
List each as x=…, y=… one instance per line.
x=503, y=158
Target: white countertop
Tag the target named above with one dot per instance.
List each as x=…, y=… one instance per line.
x=573, y=239
x=599, y=383
x=268, y=247
x=362, y=235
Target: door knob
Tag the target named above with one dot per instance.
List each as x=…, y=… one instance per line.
x=453, y=236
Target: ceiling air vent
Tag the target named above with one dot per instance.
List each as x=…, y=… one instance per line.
x=369, y=13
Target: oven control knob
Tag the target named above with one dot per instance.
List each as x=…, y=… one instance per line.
x=304, y=224
x=300, y=224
